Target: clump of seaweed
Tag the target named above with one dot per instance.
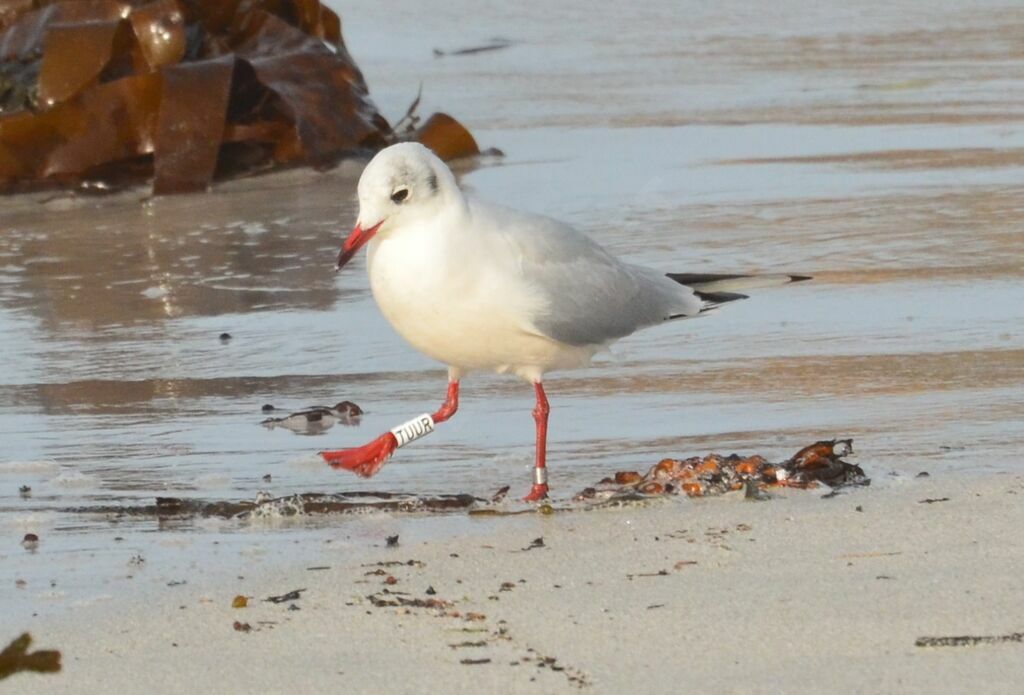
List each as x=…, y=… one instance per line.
x=714, y=474
x=108, y=92
x=15, y=657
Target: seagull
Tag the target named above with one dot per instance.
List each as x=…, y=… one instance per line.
x=478, y=286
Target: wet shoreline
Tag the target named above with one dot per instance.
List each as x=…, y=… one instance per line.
x=880, y=154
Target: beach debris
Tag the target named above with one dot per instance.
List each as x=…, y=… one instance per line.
x=968, y=640
x=396, y=563
x=500, y=495
x=715, y=474
x=30, y=542
x=15, y=658
x=137, y=561
x=391, y=580
x=431, y=591
x=534, y=544
x=225, y=337
x=398, y=600
x=317, y=419
x=318, y=568
x=177, y=582
x=268, y=408
x=291, y=505
x=659, y=573
x=96, y=95
x=283, y=598
x=392, y=541
x=495, y=44
x=242, y=627
x=240, y=601
x=933, y=500
x=474, y=662
x=25, y=491
x=463, y=645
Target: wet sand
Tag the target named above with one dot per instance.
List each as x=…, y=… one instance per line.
x=798, y=595
x=876, y=147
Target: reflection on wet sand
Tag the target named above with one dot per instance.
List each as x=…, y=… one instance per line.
x=911, y=337
x=124, y=260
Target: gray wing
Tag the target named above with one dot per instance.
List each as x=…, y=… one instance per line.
x=588, y=297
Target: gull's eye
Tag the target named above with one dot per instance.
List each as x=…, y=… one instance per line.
x=400, y=195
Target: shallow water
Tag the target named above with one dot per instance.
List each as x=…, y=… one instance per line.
x=877, y=148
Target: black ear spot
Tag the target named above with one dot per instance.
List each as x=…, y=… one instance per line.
x=400, y=195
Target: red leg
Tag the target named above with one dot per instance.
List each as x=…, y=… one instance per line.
x=540, y=471
x=366, y=460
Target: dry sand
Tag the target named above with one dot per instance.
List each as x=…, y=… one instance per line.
x=796, y=594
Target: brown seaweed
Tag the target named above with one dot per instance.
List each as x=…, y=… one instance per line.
x=183, y=91
x=15, y=657
x=714, y=474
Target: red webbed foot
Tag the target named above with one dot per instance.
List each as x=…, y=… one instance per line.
x=537, y=493
x=365, y=460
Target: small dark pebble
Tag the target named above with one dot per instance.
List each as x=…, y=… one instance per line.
x=392, y=541
x=293, y=607
x=923, y=474
x=225, y=337
x=268, y=408
x=242, y=627
x=858, y=508
x=430, y=591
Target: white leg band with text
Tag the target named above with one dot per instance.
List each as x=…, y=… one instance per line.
x=419, y=426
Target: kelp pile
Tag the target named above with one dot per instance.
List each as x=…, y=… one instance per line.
x=714, y=474
x=105, y=92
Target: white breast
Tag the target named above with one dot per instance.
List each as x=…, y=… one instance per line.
x=434, y=289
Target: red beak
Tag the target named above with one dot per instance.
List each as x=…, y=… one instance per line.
x=356, y=240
